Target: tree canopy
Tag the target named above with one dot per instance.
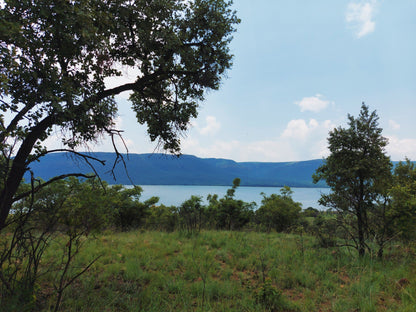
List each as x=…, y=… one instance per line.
x=55, y=57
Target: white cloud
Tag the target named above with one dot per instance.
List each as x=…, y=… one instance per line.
x=118, y=122
x=301, y=140
x=212, y=126
x=267, y=150
x=278, y=150
x=328, y=125
x=297, y=129
x=300, y=129
x=313, y=103
x=399, y=149
x=313, y=124
x=360, y=17
x=394, y=125
x=54, y=141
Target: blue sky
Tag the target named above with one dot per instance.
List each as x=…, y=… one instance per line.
x=299, y=68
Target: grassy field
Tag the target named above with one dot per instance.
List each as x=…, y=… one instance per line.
x=232, y=271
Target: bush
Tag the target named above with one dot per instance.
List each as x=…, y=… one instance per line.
x=228, y=213
x=162, y=218
x=278, y=212
x=129, y=212
x=325, y=229
x=191, y=214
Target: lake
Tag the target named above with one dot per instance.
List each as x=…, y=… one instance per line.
x=177, y=194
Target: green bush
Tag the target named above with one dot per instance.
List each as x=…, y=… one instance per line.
x=270, y=297
x=162, y=218
x=278, y=212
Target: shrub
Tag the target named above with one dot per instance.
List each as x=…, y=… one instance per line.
x=278, y=212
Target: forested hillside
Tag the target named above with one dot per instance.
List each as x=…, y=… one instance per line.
x=161, y=169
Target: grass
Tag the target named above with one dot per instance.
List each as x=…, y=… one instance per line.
x=233, y=271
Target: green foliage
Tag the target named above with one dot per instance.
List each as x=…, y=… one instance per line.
x=358, y=172
x=68, y=209
x=191, y=214
x=129, y=212
x=229, y=213
x=270, y=297
x=403, y=196
x=310, y=212
x=326, y=229
x=162, y=218
x=88, y=207
x=278, y=212
x=55, y=57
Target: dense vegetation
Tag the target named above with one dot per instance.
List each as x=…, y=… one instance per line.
x=141, y=254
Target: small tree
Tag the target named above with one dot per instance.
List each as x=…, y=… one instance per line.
x=191, y=213
x=278, y=212
x=356, y=171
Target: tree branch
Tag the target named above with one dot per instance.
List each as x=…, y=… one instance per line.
x=40, y=186
x=140, y=83
x=68, y=151
x=113, y=132
x=12, y=125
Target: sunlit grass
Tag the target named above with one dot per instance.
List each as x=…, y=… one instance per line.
x=223, y=271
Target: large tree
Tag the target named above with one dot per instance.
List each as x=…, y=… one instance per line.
x=55, y=56
x=357, y=171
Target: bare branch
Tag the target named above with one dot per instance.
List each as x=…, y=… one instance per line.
x=40, y=186
x=82, y=155
x=119, y=156
x=69, y=151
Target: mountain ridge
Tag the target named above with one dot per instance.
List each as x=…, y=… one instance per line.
x=165, y=169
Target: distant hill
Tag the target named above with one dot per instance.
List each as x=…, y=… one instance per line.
x=161, y=169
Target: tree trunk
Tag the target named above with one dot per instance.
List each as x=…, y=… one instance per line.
x=360, y=220
x=361, y=243
x=380, y=252
x=19, y=167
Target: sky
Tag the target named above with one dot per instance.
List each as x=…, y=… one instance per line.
x=300, y=67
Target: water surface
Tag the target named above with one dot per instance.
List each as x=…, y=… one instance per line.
x=177, y=194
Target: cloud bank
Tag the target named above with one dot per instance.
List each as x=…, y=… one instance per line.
x=300, y=140
x=400, y=148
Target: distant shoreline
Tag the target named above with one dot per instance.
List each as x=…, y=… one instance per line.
x=223, y=185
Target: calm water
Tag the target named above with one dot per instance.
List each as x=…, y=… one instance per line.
x=177, y=194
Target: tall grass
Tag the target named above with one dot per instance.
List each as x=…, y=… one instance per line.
x=233, y=271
